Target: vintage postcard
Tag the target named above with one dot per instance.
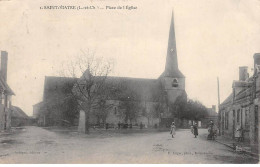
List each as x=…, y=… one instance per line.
x=129, y=81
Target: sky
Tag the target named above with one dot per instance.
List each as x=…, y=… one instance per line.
x=213, y=39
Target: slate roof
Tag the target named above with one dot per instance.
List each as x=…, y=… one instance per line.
x=57, y=87
x=138, y=88
x=227, y=100
x=133, y=88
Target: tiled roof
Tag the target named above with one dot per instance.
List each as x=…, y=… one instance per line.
x=18, y=112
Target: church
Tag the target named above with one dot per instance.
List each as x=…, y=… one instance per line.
x=151, y=94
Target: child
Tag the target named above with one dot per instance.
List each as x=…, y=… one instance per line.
x=173, y=129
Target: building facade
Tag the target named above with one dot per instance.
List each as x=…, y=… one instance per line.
x=5, y=95
x=148, y=93
x=239, y=113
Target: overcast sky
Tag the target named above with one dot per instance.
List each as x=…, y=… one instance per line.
x=213, y=39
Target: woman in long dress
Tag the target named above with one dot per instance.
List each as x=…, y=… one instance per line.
x=173, y=129
x=195, y=132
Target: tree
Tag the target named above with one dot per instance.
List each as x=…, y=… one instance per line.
x=102, y=109
x=179, y=107
x=70, y=110
x=91, y=86
x=196, y=110
x=191, y=110
x=129, y=110
x=129, y=102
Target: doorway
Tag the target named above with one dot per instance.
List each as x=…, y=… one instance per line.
x=256, y=124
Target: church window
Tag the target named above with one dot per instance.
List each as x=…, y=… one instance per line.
x=175, y=82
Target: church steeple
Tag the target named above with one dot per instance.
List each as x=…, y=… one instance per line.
x=171, y=66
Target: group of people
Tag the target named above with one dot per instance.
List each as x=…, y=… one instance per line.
x=194, y=130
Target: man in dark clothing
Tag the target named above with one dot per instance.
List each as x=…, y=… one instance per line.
x=119, y=124
x=195, y=130
x=141, y=125
x=106, y=126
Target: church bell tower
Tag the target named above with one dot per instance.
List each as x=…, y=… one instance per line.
x=172, y=79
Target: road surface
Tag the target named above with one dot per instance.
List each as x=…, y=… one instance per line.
x=38, y=145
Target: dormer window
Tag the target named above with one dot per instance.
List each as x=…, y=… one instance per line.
x=175, y=82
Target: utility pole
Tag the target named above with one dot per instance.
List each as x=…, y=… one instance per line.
x=219, y=114
x=218, y=93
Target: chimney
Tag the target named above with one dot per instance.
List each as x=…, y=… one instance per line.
x=243, y=75
x=256, y=61
x=4, y=59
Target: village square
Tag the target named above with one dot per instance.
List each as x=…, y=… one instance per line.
x=87, y=115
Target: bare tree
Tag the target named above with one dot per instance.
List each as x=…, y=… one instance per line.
x=91, y=86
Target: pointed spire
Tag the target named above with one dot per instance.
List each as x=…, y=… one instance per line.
x=171, y=66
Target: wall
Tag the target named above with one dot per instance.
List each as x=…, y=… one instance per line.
x=2, y=118
x=168, y=83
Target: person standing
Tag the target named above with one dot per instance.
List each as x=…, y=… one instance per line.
x=195, y=130
x=119, y=124
x=211, y=130
x=173, y=128
x=141, y=125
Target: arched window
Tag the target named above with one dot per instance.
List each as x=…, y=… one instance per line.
x=175, y=82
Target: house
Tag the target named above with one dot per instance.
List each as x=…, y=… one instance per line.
x=240, y=110
x=6, y=94
x=18, y=117
x=212, y=115
x=36, y=109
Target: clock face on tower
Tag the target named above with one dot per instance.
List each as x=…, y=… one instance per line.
x=172, y=50
x=175, y=82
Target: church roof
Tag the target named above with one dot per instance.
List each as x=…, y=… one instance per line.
x=57, y=87
x=136, y=88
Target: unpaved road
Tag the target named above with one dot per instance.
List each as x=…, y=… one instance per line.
x=38, y=145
